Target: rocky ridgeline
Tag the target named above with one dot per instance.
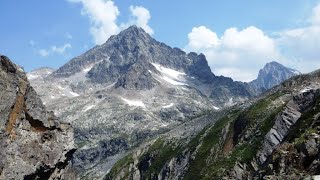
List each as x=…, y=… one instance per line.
x=34, y=144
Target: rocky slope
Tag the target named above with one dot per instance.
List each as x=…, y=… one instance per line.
x=130, y=89
x=271, y=75
x=34, y=144
x=275, y=136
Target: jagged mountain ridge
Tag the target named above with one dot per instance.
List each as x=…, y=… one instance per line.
x=34, y=144
x=128, y=59
x=272, y=74
x=275, y=136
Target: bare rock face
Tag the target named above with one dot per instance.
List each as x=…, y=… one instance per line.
x=34, y=144
x=287, y=118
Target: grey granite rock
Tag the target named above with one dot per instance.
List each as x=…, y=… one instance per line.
x=34, y=144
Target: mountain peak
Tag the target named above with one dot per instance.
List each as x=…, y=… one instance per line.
x=133, y=31
x=273, y=73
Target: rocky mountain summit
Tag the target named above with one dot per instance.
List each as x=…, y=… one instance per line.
x=271, y=75
x=134, y=60
x=275, y=136
x=34, y=144
x=130, y=90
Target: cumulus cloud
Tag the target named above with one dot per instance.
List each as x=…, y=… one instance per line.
x=54, y=50
x=237, y=53
x=241, y=53
x=141, y=17
x=103, y=16
x=202, y=38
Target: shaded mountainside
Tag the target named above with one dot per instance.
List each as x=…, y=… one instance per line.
x=34, y=144
x=277, y=136
x=271, y=75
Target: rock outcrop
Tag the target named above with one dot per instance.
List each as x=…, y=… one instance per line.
x=34, y=144
x=283, y=122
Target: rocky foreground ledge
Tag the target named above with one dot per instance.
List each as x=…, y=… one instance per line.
x=34, y=144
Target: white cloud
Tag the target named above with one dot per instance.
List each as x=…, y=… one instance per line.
x=141, y=17
x=61, y=49
x=103, y=16
x=241, y=53
x=54, y=50
x=237, y=54
x=202, y=38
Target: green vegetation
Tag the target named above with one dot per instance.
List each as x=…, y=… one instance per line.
x=208, y=163
x=158, y=154
x=210, y=138
x=122, y=164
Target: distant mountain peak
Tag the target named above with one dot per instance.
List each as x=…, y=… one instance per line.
x=272, y=74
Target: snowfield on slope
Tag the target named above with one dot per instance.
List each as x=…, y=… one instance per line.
x=170, y=75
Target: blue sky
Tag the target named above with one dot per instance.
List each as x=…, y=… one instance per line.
x=238, y=37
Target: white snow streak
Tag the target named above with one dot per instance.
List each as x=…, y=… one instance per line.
x=216, y=108
x=168, y=106
x=88, y=108
x=134, y=102
x=74, y=94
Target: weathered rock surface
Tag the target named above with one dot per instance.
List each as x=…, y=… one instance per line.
x=288, y=117
x=34, y=144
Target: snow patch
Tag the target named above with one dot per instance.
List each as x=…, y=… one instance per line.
x=74, y=94
x=305, y=90
x=87, y=69
x=167, y=71
x=173, y=82
x=88, y=108
x=61, y=87
x=168, y=106
x=31, y=76
x=216, y=108
x=295, y=71
x=170, y=75
x=134, y=102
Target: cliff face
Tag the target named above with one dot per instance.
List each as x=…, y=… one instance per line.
x=34, y=144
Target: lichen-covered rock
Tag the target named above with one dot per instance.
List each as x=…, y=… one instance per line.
x=34, y=144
